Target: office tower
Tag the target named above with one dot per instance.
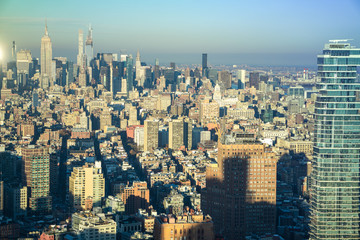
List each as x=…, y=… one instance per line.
x=46, y=78
x=89, y=47
x=24, y=62
x=156, y=69
x=36, y=176
x=204, y=65
x=213, y=75
x=189, y=226
x=86, y=186
x=137, y=66
x=241, y=76
x=135, y=197
x=240, y=192
x=335, y=186
x=129, y=74
x=254, y=79
x=151, y=135
x=225, y=78
x=176, y=134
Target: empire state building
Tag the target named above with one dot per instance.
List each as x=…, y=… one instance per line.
x=46, y=61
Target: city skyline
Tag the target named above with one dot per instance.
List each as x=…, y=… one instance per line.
x=231, y=33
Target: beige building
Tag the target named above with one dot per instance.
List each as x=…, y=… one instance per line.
x=240, y=191
x=191, y=226
x=209, y=110
x=298, y=146
x=151, y=135
x=86, y=186
x=88, y=226
x=176, y=134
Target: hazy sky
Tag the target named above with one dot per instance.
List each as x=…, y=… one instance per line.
x=231, y=32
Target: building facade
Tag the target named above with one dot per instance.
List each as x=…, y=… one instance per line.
x=335, y=190
x=86, y=186
x=36, y=176
x=240, y=192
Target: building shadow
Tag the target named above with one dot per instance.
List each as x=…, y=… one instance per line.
x=241, y=202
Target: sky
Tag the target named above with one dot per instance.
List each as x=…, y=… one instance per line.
x=258, y=32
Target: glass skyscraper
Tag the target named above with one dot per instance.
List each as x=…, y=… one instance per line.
x=335, y=182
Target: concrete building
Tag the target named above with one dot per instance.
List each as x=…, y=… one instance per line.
x=151, y=135
x=86, y=186
x=191, y=226
x=88, y=226
x=135, y=197
x=240, y=191
x=176, y=134
x=36, y=177
x=225, y=79
x=15, y=200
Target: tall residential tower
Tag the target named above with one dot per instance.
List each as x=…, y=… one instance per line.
x=335, y=202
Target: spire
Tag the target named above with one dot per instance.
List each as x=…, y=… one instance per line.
x=46, y=30
x=138, y=55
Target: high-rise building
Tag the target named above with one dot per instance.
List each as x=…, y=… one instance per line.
x=335, y=189
x=36, y=177
x=225, y=78
x=137, y=66
x=151, y=135
x=89, y=47
x=241, y=76
x=254, y=79
x=46, y=78
x=86, y=186
x=176, y=134
x=129, y=74
x=204, y=65
x=80, y=56
x=240, y=192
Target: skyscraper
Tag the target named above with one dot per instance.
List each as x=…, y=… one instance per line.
x=225, y=79
x=254, y=79
x=36, y=176
x=335, y=189
x=80, y=56
x=204, y=65
x=47, y=78
x=129, y=74
x=240, y=192
x=137, y=66
x=241, y=78
x=151, y=135
x=89, y=47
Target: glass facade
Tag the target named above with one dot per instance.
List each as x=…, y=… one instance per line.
x=335, y=184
